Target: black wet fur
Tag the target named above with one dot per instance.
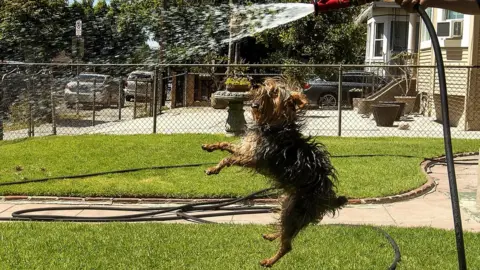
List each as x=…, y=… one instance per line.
x=302, y=168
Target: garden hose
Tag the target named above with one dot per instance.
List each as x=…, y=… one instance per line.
x=79, y=176
x=457, y=220
x=181, y=213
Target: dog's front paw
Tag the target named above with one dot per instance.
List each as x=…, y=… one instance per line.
x=206, y=148
x=211, y=171
x=266, y=263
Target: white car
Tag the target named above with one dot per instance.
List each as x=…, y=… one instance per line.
x=143, y=82
x=81, y=88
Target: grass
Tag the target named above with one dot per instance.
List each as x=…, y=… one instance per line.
x=74, y=116
x=214, y=246
x=386, y=174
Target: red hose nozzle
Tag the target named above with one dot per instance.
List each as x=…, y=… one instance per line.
x=327, y=5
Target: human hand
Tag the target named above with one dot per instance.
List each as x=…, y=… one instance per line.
x=363, y=2
x=409, y=5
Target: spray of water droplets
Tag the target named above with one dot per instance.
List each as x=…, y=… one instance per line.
x=200, y=30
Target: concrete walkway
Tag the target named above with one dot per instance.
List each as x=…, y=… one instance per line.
x=430, y=210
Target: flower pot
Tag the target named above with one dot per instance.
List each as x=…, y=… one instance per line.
x=456, y=106
x=237, y=87
x=409, y=103
x=355, y=102
x=365, y=106
x=385, y=114
x=400, y=111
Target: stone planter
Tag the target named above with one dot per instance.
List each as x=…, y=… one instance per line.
x=365, y=106
x=218, y=104
x=456, y=107
x=409, y=103
x=237, y=87
x=355, y=102
x=400, y=111
x=384, y=114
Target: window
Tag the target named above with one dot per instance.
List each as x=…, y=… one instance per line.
x=399, y=36
x=451, y=15
x=424, y=32
x=378, y=46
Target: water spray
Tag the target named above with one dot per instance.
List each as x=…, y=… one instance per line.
x=329, y=5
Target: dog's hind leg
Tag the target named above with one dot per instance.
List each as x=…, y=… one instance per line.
x=224, y=146
x=293, y=220
x=286, y=237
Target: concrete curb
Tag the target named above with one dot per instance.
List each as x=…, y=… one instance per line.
x=425, y=188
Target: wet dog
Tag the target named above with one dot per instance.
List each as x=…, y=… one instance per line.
x=275, y=147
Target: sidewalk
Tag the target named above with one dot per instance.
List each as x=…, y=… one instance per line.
x=430, y=210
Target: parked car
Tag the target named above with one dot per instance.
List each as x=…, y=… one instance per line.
x=106, y=91
x=143, y=81
x=324, y=94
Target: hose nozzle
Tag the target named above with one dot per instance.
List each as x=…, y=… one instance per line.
x=327, y=5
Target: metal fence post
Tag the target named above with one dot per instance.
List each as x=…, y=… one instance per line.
x=94, y=100
x=185, y=89
x=1, y=124
x=339, y=100
x=147, y=85
x=155, y=91
x=373, y=85
x=120, y=96
x=2, y=97
x=135, y=100
x=31, y=131
x=77, y=105
x=54, y=119
x=161, y=86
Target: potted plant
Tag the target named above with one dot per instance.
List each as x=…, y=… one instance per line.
x=407, y=74
x=237, y=84
x=385, y=114
x=456, y=108
x=401, y=109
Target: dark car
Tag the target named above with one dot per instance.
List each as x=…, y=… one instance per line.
x=324, y=94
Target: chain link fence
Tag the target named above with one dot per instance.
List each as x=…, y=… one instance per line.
x=348, y=100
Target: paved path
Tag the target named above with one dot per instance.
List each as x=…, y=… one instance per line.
x=431, y=210
x=208, y=120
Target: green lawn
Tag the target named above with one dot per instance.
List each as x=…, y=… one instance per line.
x=214, y=246
x=386, y=174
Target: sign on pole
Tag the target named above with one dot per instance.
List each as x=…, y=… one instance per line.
x=78, y=28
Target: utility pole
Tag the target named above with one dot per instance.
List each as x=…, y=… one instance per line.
x=231, y=29
x=161, y=44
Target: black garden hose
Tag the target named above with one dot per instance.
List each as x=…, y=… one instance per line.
x=77, y=176
x=457, y=220
x=180, y=213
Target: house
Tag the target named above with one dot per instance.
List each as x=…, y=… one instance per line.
x=391, y=30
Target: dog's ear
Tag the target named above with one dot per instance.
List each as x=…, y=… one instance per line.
x=299, y=99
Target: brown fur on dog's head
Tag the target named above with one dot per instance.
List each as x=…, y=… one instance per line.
x=276, y=102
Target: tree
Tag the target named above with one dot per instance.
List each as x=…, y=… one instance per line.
x=33, y=30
